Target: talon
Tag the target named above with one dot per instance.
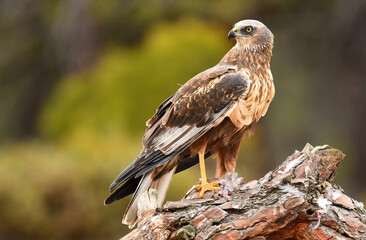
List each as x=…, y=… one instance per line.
x=212, y=186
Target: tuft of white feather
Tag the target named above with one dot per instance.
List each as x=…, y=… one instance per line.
x=289, y=189
x=293, y=163
x=323, y=203
x=232, y=181
x=336, y=195
x=358, y=204
x=307, y=171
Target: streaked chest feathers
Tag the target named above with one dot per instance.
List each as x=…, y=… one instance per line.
x=253, y=105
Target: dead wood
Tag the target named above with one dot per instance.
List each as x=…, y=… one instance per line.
x=297, y=200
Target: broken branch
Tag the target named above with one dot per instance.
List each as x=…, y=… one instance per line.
x=297, y=200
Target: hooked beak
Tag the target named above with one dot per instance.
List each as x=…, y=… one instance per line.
x=232, y=33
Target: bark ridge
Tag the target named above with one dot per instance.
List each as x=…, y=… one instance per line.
x=297, y=200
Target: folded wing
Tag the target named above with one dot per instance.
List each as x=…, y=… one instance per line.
x=184, y=117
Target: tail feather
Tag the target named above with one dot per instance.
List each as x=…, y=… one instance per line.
x=162, y=185
x=130, y=216
x=147, y=183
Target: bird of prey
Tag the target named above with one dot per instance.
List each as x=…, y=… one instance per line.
x=208, y=115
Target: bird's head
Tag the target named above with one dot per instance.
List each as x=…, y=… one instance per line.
x=252, y=35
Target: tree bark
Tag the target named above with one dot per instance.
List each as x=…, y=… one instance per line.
x=297, y=200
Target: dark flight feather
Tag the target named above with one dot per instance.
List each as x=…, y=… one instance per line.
x=130, y=186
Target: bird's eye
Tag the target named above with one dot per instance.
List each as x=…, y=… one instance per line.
x=248, y=29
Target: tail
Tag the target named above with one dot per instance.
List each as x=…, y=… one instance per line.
x=147, y=183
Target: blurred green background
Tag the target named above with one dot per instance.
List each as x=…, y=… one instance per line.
x=79, y=78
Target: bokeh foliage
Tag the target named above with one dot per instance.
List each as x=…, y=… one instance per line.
x=126, y=85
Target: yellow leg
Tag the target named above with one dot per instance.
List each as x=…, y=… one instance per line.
x=204, y=186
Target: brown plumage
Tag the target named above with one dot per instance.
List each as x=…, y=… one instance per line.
x=208, y=115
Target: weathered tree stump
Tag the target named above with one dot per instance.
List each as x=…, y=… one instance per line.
x=297, y=200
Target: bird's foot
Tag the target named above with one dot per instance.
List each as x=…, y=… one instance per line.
x=212, y=186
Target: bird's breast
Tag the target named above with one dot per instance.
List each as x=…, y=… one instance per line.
x=255, y=102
